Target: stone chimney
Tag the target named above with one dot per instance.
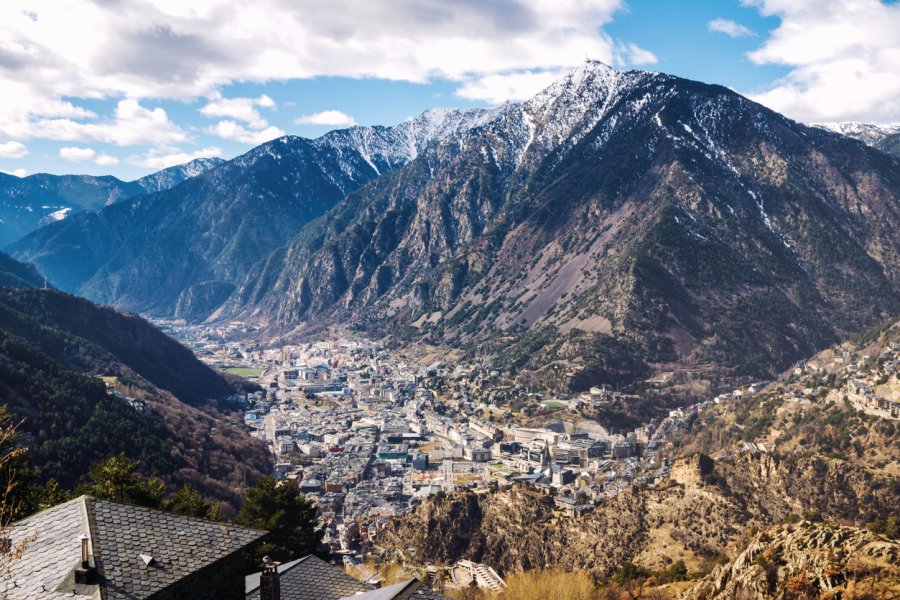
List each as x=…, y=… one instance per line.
x=85, y=573
x=269, y=584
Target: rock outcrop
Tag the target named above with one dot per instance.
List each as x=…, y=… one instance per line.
x=807, y=560
x=698, y=514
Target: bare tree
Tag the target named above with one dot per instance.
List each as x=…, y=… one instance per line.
x=12, y=461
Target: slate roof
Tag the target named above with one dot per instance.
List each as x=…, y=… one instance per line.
x=311, y=578
x=179, y=546
x=423, y=592
x=119, y=535
x=52, y=541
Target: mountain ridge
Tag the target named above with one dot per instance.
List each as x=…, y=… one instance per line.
x=89, y=382
x=211, y=229
x=658, y=180
x=883, y=137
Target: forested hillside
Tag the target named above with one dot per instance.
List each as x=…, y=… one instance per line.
x=88, y=382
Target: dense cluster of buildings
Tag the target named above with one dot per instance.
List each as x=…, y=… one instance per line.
x=366, y=435
x=871, y=383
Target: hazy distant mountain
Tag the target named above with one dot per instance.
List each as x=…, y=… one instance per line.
x=182, y=250
x=616, y=223
x=884, y=137
x=27, y=203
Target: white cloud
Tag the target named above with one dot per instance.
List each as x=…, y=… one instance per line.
x=730, y=28
x=13, y=149
x=257, y=128
x=842, y=56
x=632, y=54
x=160, y=159
x=332, y=118
x=265, y=102
x=16, y=172
x=513, y=86
x=230, y=130
x=242, y=109
x=187, y=50
x=106, y=160
x=132, y=125
x=77, y=154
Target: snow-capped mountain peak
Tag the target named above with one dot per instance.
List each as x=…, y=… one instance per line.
x=864, y=132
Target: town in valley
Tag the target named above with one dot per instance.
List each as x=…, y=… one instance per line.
x=366, y=432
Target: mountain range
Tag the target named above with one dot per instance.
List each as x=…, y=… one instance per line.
x=27, y=203
x=181, y=251
x=616, y=224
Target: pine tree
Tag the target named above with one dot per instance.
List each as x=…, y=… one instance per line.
x=279, y=508
x=116, y=479
x=188, y=501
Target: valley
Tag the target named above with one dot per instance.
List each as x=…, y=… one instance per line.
x=428, y=464
x=633, y=330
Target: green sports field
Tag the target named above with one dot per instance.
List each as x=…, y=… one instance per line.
x=243, y=371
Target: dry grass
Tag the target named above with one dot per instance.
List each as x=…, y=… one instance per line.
x=551, y=583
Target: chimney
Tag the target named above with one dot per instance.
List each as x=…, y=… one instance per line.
x=269, y=584
x=85, y=573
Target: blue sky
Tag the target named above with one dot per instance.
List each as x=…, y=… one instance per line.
x=153, y=86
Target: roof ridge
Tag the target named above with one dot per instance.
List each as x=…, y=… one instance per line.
x=180, y=516
x=87, y=519
x=48, y=509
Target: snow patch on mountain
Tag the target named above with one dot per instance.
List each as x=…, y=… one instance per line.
x=172, y=176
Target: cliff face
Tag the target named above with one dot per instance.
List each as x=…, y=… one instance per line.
x=699, y=513
x=807, y=560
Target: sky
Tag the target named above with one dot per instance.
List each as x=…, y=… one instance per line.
x=127, y=87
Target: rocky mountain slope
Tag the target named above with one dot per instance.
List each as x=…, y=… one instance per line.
x=703, y=512
x=181, y=251
x=807, y=560
x=617, y=218
x=884, y=137
x=18, y=275
x=156, y=401
x=27, y=203
x=836, y=404
x=806, y=445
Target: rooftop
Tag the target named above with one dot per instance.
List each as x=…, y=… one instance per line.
x=310, y=578
x=137, y=551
